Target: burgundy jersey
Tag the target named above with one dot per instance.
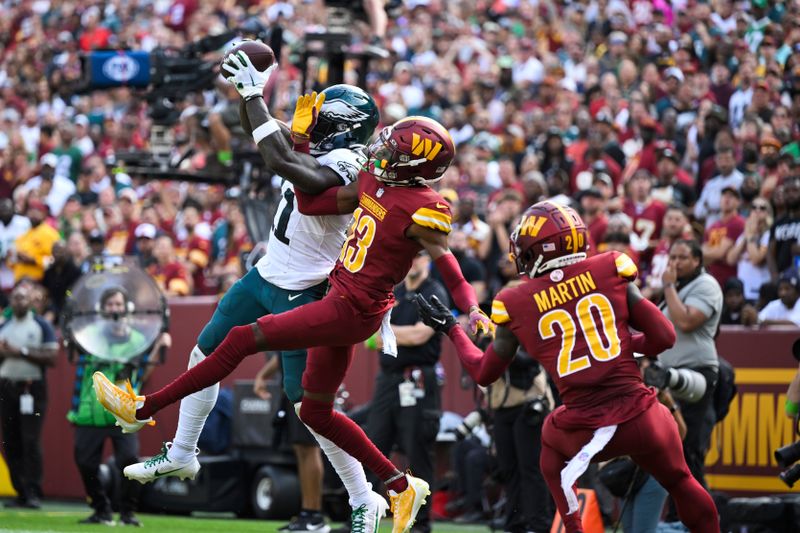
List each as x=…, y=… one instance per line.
x=648, y=221
x=729, y=229
x=377, y=255
x=574, y=321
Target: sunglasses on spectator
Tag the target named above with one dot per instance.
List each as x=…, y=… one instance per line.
x=760, y=207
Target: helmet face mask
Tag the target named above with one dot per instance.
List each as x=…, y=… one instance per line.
x=549, y=236
x=414, y=151
x=348, y=118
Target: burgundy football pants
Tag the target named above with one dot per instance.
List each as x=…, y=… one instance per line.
x=652, y=441
x=329, y=327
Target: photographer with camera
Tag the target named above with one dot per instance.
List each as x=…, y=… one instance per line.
x=116, y=341
x=521, y=399
x=693, y=303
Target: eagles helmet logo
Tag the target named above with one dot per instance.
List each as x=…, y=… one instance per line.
x=339, y=109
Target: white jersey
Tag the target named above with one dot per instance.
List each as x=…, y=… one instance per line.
x=302, y=250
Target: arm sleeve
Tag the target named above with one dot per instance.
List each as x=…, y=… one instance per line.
x=462, y=292
x=324, y=203
x=658, y=333
x=483, y=368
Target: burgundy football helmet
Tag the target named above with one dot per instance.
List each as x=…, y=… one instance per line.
x=548, y=236
x=412, y=151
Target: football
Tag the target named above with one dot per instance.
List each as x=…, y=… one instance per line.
x=259, y=53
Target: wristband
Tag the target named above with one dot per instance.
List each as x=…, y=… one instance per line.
x=668, y=285
x=791, y=407
x=265, y=130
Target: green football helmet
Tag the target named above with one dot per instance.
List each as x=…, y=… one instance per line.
x=348, y=117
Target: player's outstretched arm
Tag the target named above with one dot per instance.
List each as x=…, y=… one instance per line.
x=483, y=368
x=334, y=201
x=435, y=243
x=302, y=170
x=658, y=333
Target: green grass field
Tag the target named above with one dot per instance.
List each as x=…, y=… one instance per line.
x=62, y=517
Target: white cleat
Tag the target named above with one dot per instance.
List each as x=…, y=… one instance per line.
x=366, y=518
x=162, y=466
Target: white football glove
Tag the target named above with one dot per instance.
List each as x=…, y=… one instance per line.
x=247, y=79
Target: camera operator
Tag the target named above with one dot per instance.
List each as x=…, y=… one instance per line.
x=27, y=346
x=693, y=303
x=521, y=399
x=406, y=404
x=93, y=424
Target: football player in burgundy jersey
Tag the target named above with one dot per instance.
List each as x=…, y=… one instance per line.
x=396, y=214
x=572, y=313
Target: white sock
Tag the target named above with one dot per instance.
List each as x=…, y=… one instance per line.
x=347, y=467
x=194, y=411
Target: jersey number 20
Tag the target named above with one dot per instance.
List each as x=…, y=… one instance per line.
x=354, y=251
x=602, y=347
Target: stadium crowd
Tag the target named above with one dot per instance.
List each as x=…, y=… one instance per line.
x=656, y=119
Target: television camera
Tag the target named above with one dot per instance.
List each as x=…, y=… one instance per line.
x=789, y=456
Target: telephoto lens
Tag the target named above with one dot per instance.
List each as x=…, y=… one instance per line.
x=788, y=455
x=791, y=475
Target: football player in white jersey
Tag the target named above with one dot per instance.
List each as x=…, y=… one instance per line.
x=301, y=252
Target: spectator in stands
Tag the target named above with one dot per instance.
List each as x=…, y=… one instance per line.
x=673, y=185
x=145, y=234
x=785, y=309
x=34, y=247
x=646, y=214
x=53, y=187
x=749, y=253
x=478, y=232
x=734, y=307
x=27, y=346
x=168, y=272
x=12, y=226
x=721, y=235
x=58, y=279
x=676, y=226
x=707, y=207
x=693, y=303
x=784, y=235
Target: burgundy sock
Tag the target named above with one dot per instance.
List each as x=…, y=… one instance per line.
x=398, y=485
x=238, y=344
x=347, y=435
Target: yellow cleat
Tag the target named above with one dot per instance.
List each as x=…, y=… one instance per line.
x=120, y=403
x=407, y=504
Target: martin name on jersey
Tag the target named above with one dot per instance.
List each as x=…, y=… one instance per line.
x=303, y=249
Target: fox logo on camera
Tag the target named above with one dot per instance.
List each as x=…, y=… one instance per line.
x=115, y=68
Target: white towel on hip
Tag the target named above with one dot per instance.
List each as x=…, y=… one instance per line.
x=387, y=335
x=578, y=464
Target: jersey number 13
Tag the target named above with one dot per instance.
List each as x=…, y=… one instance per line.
x=362, y=233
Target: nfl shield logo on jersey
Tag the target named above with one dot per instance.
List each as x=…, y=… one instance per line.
x=379, y=193
x=556, y=275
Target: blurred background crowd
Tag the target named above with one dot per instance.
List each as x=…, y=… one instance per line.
x=656, y=119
